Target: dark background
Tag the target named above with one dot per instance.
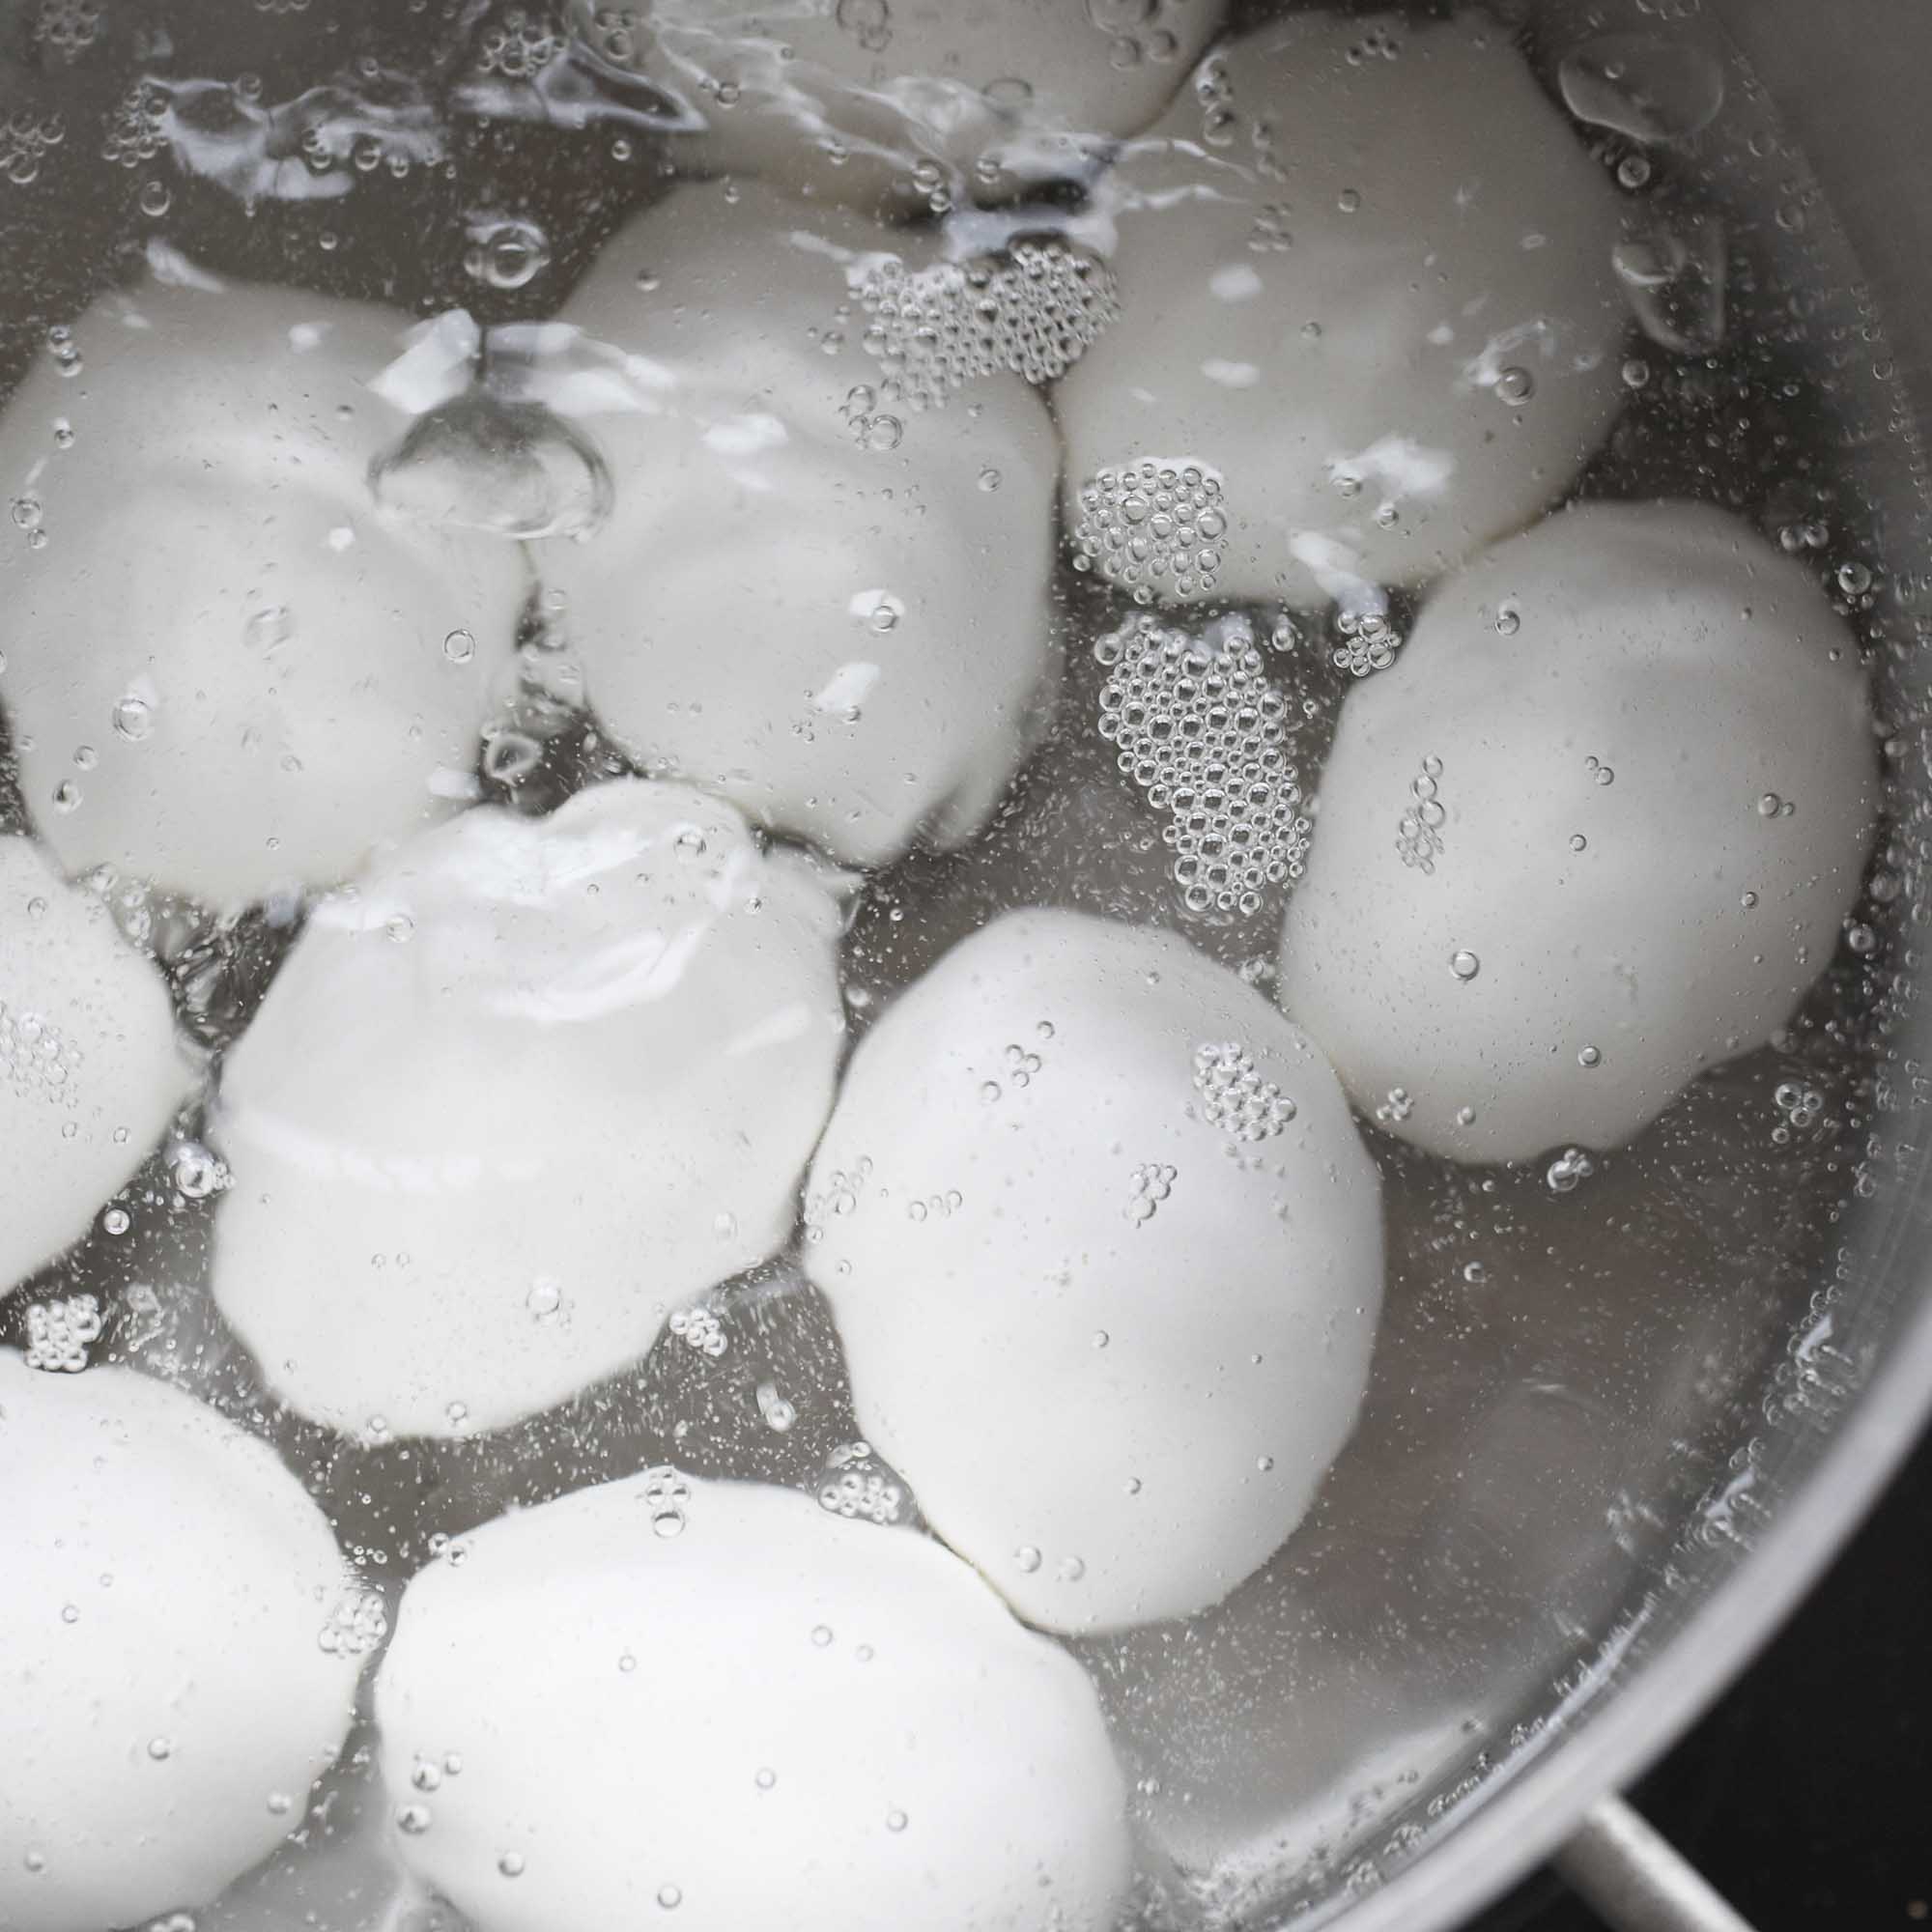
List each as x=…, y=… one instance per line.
x=1806, y=1794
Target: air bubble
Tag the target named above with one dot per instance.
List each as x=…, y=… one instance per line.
x=1568, y=1170
x=1235, y=1097
x=505, y=251
x=58, y=1333
x=355, y=1626
x=1202, y=731
x=1151, y=529
x=1367, y=643
x=1033, y=311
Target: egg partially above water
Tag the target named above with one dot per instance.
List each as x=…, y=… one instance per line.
x=715, y=1704
x=90, y=1073
x=180, y=1641
x=877, y=103
x=230, y=670
x=1597, y=828
x=836, y=615
x=1366, y=290
x=524, y=1089
x=1105, y=1255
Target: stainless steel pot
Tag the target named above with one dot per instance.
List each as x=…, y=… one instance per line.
x=1852, y=1367
x=1847, y=83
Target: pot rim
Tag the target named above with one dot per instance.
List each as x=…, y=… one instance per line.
x=1640, y=1708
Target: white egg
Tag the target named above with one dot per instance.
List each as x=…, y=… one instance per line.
x=228, y=670
x=1596, y=829
x=881, y=103
x=90, y=1073
x=1366, y=283
x=524, y=1089
x=1105, y=1255
x=715, y=1699
x=171, y=1614
x=835, y=613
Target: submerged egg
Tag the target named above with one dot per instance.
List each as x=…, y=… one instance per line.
x=476, y=1170
x=252, y=646
x=90, y=1073
x=166, y=1582
x=1616, y=906
x=822, y=1725
x=1173, y=1168
x=1371, y=297
x=802, y=597
x=902, y=103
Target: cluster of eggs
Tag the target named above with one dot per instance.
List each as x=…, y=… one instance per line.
x=1094, y=1217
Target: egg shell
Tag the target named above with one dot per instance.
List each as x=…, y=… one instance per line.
x=250, y=652
x=1329, y=257
x=771, y=1718
x=90, y=1071
x=529, y=1086
x=1111, y=1343
x=1620, y=704
x=165, y=1588
x=855, y=644
x=844, y=103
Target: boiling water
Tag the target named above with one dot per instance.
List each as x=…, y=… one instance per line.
x=1578, y=1360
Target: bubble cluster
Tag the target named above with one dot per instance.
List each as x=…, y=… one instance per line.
x=871, y=427
x=1366, y=642
x=838, y=1196
x=1034, y=311
x=356, y=1625
x=1201, y=732
x=1378, y=43
x=1801, y=1106
x=1572, y=1167
x=1233, y=1095
x=1134, y=31
x=1215, y=94
x=37, y=1061
x=196, y=1172
x=1418, y=834
x=856, y=1485
x=58, y=1333
x=1151, y=526
x=136, y=130
x=936, y=1206
x=1395, y=1107
x=700, y=1329
x=1153, y=1183
x=1017, y=1067
x=67, y=27
x=24, y=140
x=667, y=1492
x=521, y=45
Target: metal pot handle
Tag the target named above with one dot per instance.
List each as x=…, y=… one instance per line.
x=1634, y=1880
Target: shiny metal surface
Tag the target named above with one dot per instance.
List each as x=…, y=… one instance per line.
x=1847, y=84
x=1633, y=1878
